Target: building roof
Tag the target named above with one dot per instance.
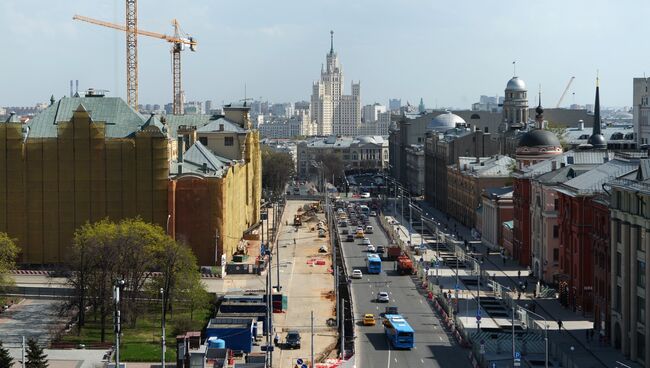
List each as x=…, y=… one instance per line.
x=445, y=121
x=566, y=158
x=215, y=125
x=198, y=159
x=508, y=224
x=591, y=182
x=516, y=84
x=502, y=192
x=345, y=142
x=497, y=165
x=614, y=133
x=120, y=119
x=564, y=174
x=539, y=138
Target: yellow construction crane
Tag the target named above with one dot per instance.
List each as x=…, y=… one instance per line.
x=178, y=41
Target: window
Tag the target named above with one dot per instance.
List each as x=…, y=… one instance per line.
x=556, y=254
x=640, y=273
x=204, y=141
x=639, y=239
x=556, y=231
x=618, y=264
x=640, y=305
x=228, y=141
x=556, y=204
x=617, y=306
x=618, y=230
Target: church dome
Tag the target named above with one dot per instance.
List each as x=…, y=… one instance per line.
x=445, y=121
x=539, y=137
x=597, y=141
x=516, y=84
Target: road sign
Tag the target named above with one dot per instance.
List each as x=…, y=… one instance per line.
x=517, y=355
x=478, y=314
x=457, y=287
x=299, y=361
x=494, y=365
x=304, y=366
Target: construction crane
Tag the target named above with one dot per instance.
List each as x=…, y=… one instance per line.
x=178, y=40
x=564, y=93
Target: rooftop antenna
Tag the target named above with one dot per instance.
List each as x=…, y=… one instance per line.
x=646, y=83
x=331, y=42
x=514, y=68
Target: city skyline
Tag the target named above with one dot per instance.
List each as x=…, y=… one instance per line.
x=432, y=51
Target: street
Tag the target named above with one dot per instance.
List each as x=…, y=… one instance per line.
x=433, y=346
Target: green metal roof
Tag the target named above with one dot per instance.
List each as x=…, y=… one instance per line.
x=121, y=120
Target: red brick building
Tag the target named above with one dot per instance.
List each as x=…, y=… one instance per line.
x=601, y=260
x=521, y=221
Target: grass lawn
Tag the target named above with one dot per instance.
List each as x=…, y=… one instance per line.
x=142, y=343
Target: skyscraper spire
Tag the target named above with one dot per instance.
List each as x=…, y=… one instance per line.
x=597, y=140
x=331, y=42
x=539, y=111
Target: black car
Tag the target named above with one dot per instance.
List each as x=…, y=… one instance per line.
x=292, y=341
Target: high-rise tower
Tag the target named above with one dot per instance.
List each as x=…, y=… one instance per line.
x=331, y=111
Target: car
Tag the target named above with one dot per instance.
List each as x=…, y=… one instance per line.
x=373, y=213
x=356, y=273
x=322, y=249
x=343, y=224
x=345, y=232
x=369, y=319
x=292, y=340
x=369, y=229
x=371, y=248
x=349, y=238
x=383, y=297
x=381, y=249
x=365, y=195
x=365, y=241
x=360, y=234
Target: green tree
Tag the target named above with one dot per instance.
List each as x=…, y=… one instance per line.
x=104, y=252
x=277, y=169
x=5, y=359
x=8, y=253
x=332, y=166
x=179, y=273
x=561, y=133
x=36, y=358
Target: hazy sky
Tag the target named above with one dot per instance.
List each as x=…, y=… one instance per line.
x=447, y=52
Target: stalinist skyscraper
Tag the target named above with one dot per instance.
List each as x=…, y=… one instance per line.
x=332, y=112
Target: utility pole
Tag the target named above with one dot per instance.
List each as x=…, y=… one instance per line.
x=23, y=352
x=513, y=330
x=312, y=339
x=277, y=243
x=117, y=290
x=162, y=325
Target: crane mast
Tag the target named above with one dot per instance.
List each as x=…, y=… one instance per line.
x=564, y=93
x=132, y=53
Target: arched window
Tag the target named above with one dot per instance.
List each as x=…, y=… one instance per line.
x=475, y=116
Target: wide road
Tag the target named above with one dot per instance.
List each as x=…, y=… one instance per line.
x=433, y=347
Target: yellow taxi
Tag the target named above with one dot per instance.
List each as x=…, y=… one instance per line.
x=368, y=319
x=360, y=234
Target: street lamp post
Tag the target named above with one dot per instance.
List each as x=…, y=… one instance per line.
x=117, y=291
x=162, y=325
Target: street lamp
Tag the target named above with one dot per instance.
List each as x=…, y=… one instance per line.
x=162, y=324
x=117, y=291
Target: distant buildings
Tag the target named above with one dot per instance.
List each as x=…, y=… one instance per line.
x=370, y=113
x=331, y=110
x=394, y=104
x=358, y=153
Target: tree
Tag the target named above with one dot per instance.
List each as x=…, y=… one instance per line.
x=104, y=252
x=277, y=169
x=8, y=253
x=36, y=358
x=561, y=133
x=179, y=273
x=332, y=166
x=5, y=359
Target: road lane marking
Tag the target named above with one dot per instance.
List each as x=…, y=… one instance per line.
x=440, y=337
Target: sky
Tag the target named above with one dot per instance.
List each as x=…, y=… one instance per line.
x=446, y=52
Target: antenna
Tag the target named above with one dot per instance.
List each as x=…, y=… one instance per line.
x=514, y=68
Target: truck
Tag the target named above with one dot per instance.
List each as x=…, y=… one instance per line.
x=404, y=265
x=393, y=252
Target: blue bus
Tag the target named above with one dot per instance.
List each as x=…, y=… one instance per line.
x=398, y=332
x=374, y=263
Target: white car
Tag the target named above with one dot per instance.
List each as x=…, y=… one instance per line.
x=371, y=248
x=369, y=229
x=365, y=241
x=383, y=297
x=365, y=195
x=356, y=273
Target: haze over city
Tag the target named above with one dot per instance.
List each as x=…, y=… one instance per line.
x=446, y=52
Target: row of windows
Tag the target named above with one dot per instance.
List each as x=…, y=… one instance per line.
x=227, y=141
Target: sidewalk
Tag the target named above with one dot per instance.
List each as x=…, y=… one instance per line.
x=572, y=340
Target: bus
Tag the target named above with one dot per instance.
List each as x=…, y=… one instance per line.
x=364, y=209
x=398, y=332
x=374, y=263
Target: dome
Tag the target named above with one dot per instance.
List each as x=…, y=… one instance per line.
x=445, y=121
x=597, y=141
x=516, y=84
x=539, y=137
